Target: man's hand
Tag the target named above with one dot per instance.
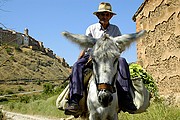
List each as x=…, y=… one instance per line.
x=81, y=54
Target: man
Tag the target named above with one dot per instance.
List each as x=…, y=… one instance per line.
x=104, y=14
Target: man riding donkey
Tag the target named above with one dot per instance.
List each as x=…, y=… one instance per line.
x=97, y=30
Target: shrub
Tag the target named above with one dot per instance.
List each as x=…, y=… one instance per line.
x=38, y=82
x=25, y=99
x=48, y=88
x=8, y=91
x=20, y=88
x=2, y=99
x=1, y=92
x=9, y=50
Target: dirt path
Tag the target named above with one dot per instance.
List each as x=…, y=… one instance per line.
x=18, y=116
x=22, y=93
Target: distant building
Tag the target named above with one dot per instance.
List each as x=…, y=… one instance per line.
x=12, y=37
x=20, y=39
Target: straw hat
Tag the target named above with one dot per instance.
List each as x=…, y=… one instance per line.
x=104, y=7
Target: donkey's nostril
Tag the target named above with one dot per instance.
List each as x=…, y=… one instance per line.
x=99, y=98
x=110, y=98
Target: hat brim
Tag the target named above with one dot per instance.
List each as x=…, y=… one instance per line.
x=99, y=11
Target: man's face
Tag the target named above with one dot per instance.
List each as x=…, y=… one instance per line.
x=104, y=17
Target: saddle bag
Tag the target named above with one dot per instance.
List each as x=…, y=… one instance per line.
x=140, y=95
x=62, y=100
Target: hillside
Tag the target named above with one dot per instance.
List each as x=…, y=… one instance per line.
x=28, y=64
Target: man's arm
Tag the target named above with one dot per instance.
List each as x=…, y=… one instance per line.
x=81, y=54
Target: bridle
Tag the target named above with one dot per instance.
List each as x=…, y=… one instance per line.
x=106, y=86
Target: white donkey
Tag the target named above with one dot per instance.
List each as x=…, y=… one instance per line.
x=102, y=98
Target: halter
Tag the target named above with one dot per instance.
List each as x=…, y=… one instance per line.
x=106, y=86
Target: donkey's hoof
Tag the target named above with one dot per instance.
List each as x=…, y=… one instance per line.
x=76, y=116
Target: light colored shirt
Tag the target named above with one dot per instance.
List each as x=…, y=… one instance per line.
x=97, y=31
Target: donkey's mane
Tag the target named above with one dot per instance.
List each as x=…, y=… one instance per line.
x=105, y=48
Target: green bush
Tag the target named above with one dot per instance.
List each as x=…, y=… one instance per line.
x=20, y=88
x=2, y=99
x=137, y=71
x=9, y=50
x=48, y=88
x=1, y=92
x=8, y=91
x=38, y=82
x=25, y=99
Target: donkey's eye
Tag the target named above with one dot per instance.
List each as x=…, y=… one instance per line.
x=93, y=60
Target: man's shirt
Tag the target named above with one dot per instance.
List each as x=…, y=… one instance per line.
x=97, y=31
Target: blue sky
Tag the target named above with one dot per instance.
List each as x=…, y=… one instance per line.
x=46, y=19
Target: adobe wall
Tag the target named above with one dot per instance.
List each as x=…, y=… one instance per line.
x=159, y=51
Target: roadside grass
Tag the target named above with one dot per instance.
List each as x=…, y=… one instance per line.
x=47, y=108
x=156, y=111
x=38, y=107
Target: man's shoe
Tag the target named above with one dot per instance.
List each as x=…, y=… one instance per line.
x=73, y=109
x=128, y=104
x=129, y=107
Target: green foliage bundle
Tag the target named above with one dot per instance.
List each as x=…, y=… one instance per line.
x=136, y=71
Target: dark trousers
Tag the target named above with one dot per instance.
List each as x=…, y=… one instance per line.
x=123, y=79
x=76, y=79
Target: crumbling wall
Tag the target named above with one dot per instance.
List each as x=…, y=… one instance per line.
x=159, y=51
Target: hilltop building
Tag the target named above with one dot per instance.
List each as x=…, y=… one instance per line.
x=20, y=40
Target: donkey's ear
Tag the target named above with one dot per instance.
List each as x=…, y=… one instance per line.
x=81, y=40
x=125, y=40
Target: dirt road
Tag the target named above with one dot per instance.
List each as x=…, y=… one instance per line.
x=17, y=116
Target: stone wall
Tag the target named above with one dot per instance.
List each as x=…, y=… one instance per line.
x=7, y=35
x=159, y=51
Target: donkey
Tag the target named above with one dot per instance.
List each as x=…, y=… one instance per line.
x=102, y=100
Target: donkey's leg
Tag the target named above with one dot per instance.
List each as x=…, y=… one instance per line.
x=91, y=117
x=94, y=116
x=115, y=116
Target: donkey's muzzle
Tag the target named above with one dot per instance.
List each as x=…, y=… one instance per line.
x=105, y=98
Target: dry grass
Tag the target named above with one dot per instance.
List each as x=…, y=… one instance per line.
x=29, y=65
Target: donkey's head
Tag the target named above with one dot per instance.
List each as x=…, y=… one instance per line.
x=105, y=54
